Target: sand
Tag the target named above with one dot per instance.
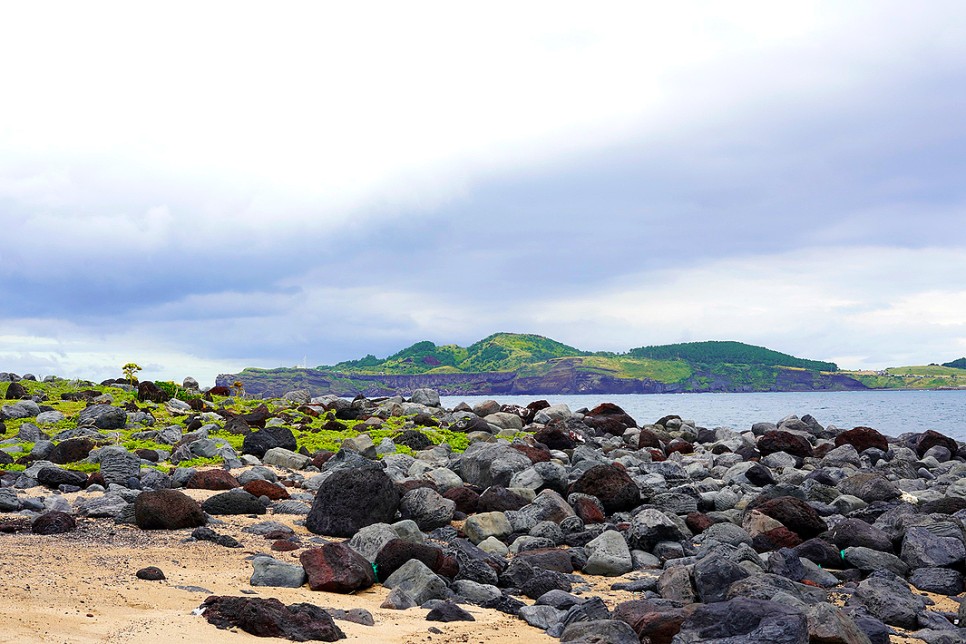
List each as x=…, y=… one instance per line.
x=81, y=588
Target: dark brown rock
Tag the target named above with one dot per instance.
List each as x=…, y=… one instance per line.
x=53, y=523
x=150, y=392
x=781, y=441
x=497, y=498
x=167, y=510
x=862, y=438
x=613, y=486
x=653, y=623
x=795, y=514
x=151, y=573
x=337, y=568
x=610, y=419
x=931, y=438
x=214, y=479
x=71, y=451
x=535, y=454
x=555, y=436
x=261, y=487
x=271, y=618
x=466, y=499
x=648, y=439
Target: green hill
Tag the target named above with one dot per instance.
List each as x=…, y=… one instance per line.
x=498, y=352
x=728, y=352
x=959, y=363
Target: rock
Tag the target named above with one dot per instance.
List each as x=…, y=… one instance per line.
x=542, y=617
x=870, y=487
x=427, y=508
x=419, y=582
x=447, y=611
x=207, y=534
x=350, y=499
x=285, y=458
x=944, y=581
x=653, y=623
x=337, y=568
x=748, y=621
x=713, y=577
x=830, y=625
x=649, y=527
x=261, y=487
x=370, y=540
x=921, y=548
x=599, y=631
x=271, y=618
x=485, y=525
x=613, y=486
x=795, y=514
x=150, y=573
x=782, y=441
x=888, y=598
x=930, y=439
x=505, y=420
x=497, y=498
x=119, y=466
x=268, y=571
x=398, y=551
x=102, y=417
x=868, y=560
x=862, y=438
x=608, y=555
x=233, y=502
x=609, y=419
x=486, y=464
x=71, y=451
x=855, y=532
x=675, y=584
x=53, y=477
x=257, y=443
x=53, y=523
x=167, y=510
x=427, y=397
x=213, y=479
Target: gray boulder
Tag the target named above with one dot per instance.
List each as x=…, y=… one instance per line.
x=486, y=464
x=269, y=571
x=889, y=599
x=608, y=555
x=427, y=508
x=427, y=397
x=418, y=582
x=744, y=621
x=921, y=548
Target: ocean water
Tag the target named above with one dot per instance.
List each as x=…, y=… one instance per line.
x=890, y=412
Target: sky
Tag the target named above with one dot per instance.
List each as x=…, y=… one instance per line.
x=201, y=187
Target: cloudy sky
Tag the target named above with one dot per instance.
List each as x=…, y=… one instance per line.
x=201, y=187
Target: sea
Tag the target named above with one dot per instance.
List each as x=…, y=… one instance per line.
x=892, y=412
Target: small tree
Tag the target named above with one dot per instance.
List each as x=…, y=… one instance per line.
x=130, y=372
x=239, y=388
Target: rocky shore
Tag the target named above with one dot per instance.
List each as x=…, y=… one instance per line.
x=495, y=522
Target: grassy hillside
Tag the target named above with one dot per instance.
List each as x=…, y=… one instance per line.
x=959, y=363
x=915, y=377
x=728, y=352
x=498, y=352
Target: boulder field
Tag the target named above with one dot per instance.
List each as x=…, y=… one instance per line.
x=787, y=531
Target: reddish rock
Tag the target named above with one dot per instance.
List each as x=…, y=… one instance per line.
x=609, y=418
x=932, y=438
x=862, y=438
x=535, y=454
x=698, y=522
x=337, y=568
x=553, y=559
x=71, y=451
x=320, y=458
x=261, y=487
x=648, y=439
x=795, y=514
x=679, y=445
x=396, y=552
x=555, y=436
x=613, y=486
x=497, y=498
x=167, y=510
x=653, y=623
x=657, y=455
x=53, y=523
x=782, y=441
x=271, y=618
x=466, y=500
x=775, y=539
x=589, y=511
x=215, y=479
x=219, y=390
x=284, y=545
x=414, y=484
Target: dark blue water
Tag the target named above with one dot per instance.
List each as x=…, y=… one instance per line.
x=891, y=412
